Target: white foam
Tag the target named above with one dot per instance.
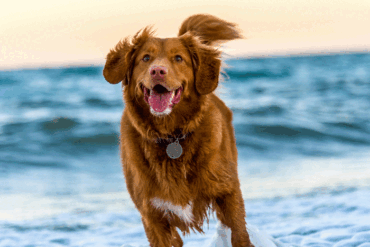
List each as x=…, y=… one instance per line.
x=335, y=218
x=222, y=238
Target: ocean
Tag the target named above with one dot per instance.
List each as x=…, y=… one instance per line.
x=302, y=126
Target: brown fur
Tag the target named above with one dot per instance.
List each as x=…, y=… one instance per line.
x=206, y=172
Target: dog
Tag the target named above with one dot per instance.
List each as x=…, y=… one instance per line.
x=177, y=141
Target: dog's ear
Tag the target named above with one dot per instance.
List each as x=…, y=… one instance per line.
x=210, y=29
x=121, y=59
x=118, y=62
x=206, y=63
x=206, y=77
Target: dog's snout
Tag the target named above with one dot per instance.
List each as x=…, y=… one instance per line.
x=158, y=72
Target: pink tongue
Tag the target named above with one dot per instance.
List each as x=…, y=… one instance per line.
x=159, y=101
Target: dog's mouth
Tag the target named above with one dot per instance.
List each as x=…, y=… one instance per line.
x=160, y=98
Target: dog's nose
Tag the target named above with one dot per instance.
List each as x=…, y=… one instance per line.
x=158, y=72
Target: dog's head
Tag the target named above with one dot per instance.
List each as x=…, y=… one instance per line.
x=162, y=74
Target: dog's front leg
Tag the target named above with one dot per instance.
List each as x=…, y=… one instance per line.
x=160, y=233
x=230, y=211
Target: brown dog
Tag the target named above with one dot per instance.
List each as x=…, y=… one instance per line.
x=177, y=142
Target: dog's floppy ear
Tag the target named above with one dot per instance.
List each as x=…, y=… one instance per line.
x=206, y=63
x=206, y=77
x=121, y=59
x=116, y=68
x=210, y=29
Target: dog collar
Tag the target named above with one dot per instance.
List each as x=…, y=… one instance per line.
x=174, y=149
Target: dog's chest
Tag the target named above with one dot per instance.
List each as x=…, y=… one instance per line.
x=184, y=213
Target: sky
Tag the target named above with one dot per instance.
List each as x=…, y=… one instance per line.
x=42, y=33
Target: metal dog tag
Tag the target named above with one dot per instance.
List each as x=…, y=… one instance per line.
x=174, y=150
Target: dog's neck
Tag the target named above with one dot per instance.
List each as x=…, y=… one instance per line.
x=177, y=135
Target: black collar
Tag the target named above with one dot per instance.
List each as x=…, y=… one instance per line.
x=177, y=135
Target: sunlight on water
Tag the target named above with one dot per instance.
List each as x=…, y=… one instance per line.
x=292, y=176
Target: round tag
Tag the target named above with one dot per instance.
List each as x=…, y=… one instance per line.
x=174, y=150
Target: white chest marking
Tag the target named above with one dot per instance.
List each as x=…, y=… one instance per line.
x=184, y=213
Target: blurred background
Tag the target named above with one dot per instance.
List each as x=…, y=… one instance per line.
x=299, y=87
x=43, y=33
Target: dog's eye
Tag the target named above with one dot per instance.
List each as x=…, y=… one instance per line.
x=146, y=58
x=178, y=58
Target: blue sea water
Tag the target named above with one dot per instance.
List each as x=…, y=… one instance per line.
x=302, y=126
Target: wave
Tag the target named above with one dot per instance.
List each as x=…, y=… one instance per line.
x=311, y=106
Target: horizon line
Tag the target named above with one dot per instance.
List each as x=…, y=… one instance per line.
x=225, y=55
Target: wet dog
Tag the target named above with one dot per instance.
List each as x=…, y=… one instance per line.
x=177, y=141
